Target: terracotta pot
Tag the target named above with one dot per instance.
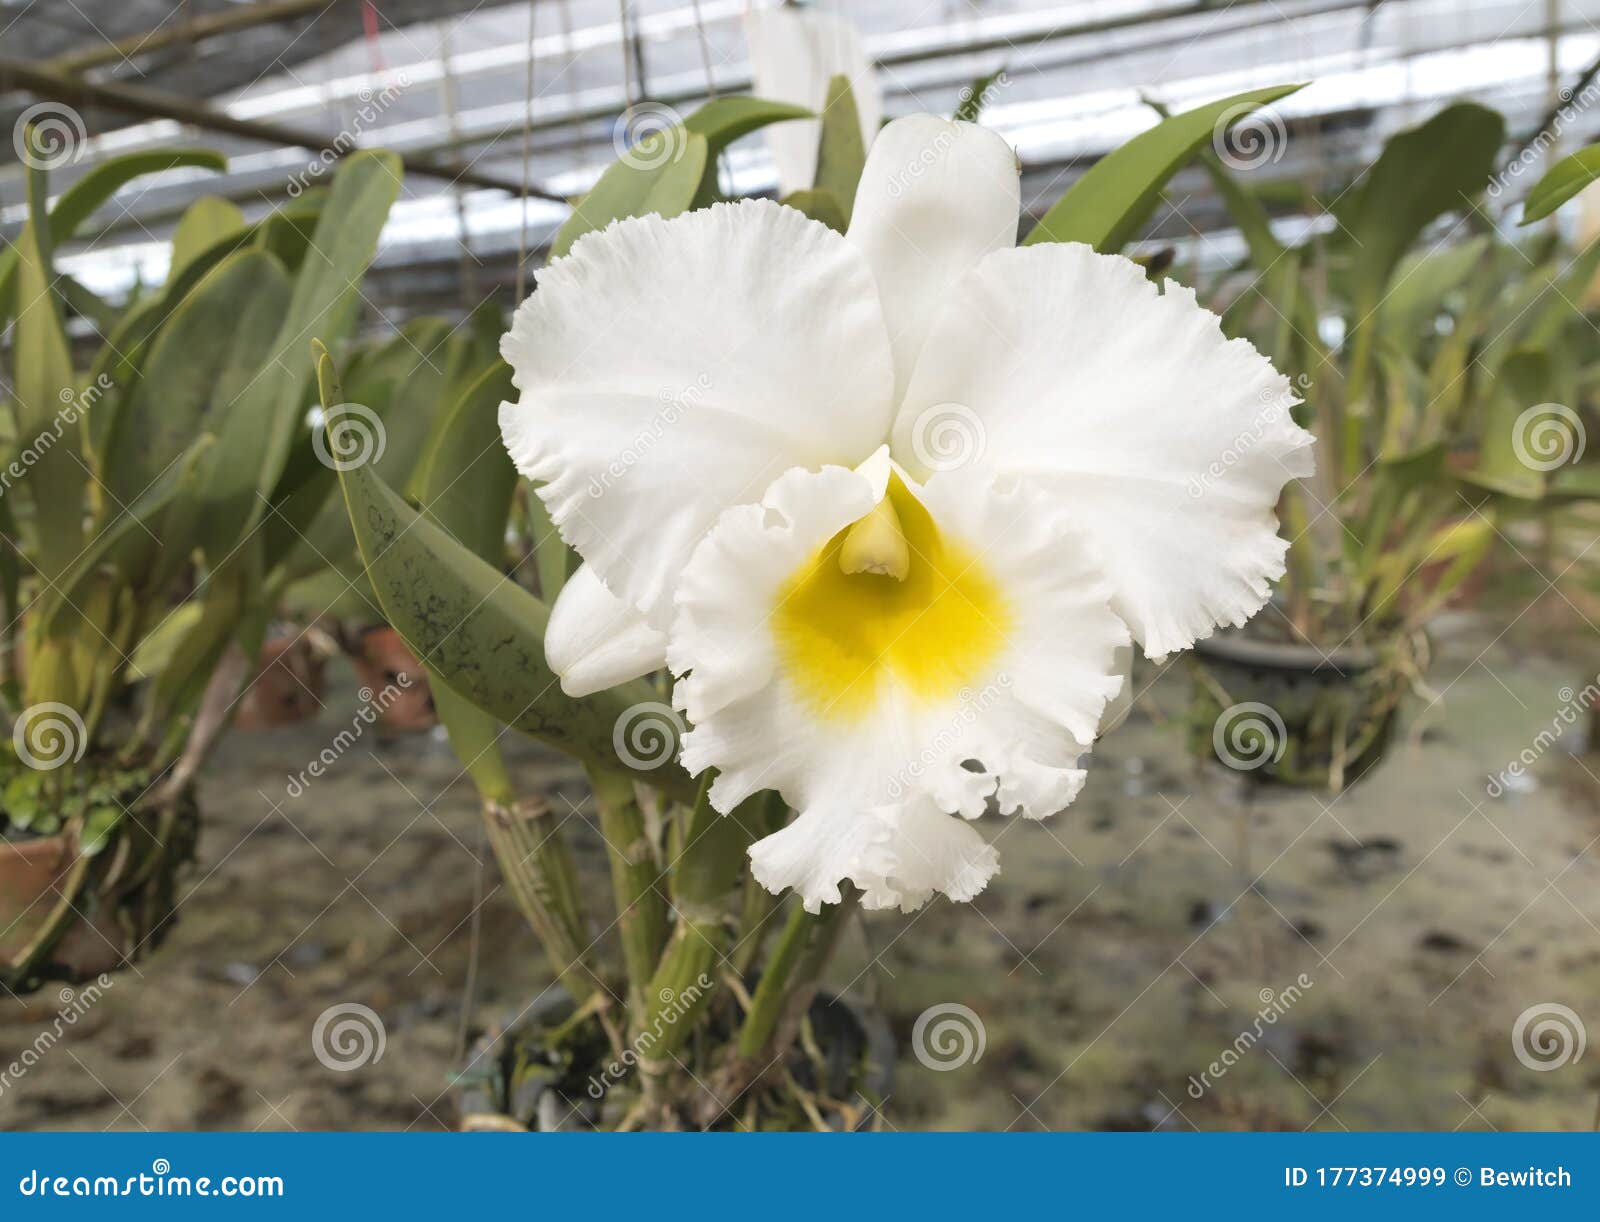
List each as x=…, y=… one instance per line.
x=30, y=873
x=288, y=685
x=393, y=682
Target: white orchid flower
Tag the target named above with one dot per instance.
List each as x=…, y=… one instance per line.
x=891, y=501
x=794, y=54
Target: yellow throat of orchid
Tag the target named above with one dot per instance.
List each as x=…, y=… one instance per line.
x=887, y=601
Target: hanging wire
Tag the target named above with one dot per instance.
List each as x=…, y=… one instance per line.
x=527, y=160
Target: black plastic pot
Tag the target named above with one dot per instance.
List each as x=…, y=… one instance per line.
x=522, y=1077
x=1297, y=715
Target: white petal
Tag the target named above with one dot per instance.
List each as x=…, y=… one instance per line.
x=594, y=640
x=672, y=368
x=936, y=196
x=794, y=53
x=1167, y=444
x=878, y=787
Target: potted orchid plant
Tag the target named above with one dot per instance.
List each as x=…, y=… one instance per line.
x=1425, y=375
x=135, y=575
x=868, y=500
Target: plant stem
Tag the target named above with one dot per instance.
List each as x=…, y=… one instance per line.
x=641, y=908
x=767, y=1003
x=538, y=870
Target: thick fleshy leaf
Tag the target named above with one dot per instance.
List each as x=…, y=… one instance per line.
x=661, y=175
x=256, y=431
x=819, y=206
x=485, y=634
x=1560, y=183
x=79, y=201
x=842, y=153
x=48, y=411
x=1422, y=174
x=216, y=340
x=1106, y=207
x=723, y=120
x=204, y=223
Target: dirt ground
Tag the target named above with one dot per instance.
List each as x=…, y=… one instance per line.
x=1396, y=937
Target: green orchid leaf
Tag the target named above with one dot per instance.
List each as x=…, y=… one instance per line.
x=1524, y=436
x=118, y=363
x=1106, y=207
x=79, y=201
x=48, y=408
x=661, y=174
x=841, y=153
x=217, y=337
x=255, y=434
x=403, y=385
x=819, y=206
x=974, y=96
x=1422, y=174
x=1560, y=183
x=466, y=481
x=485, y=634
x=723, y=120
x=1421, y=284
x=465, y=485
x=204, y=223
